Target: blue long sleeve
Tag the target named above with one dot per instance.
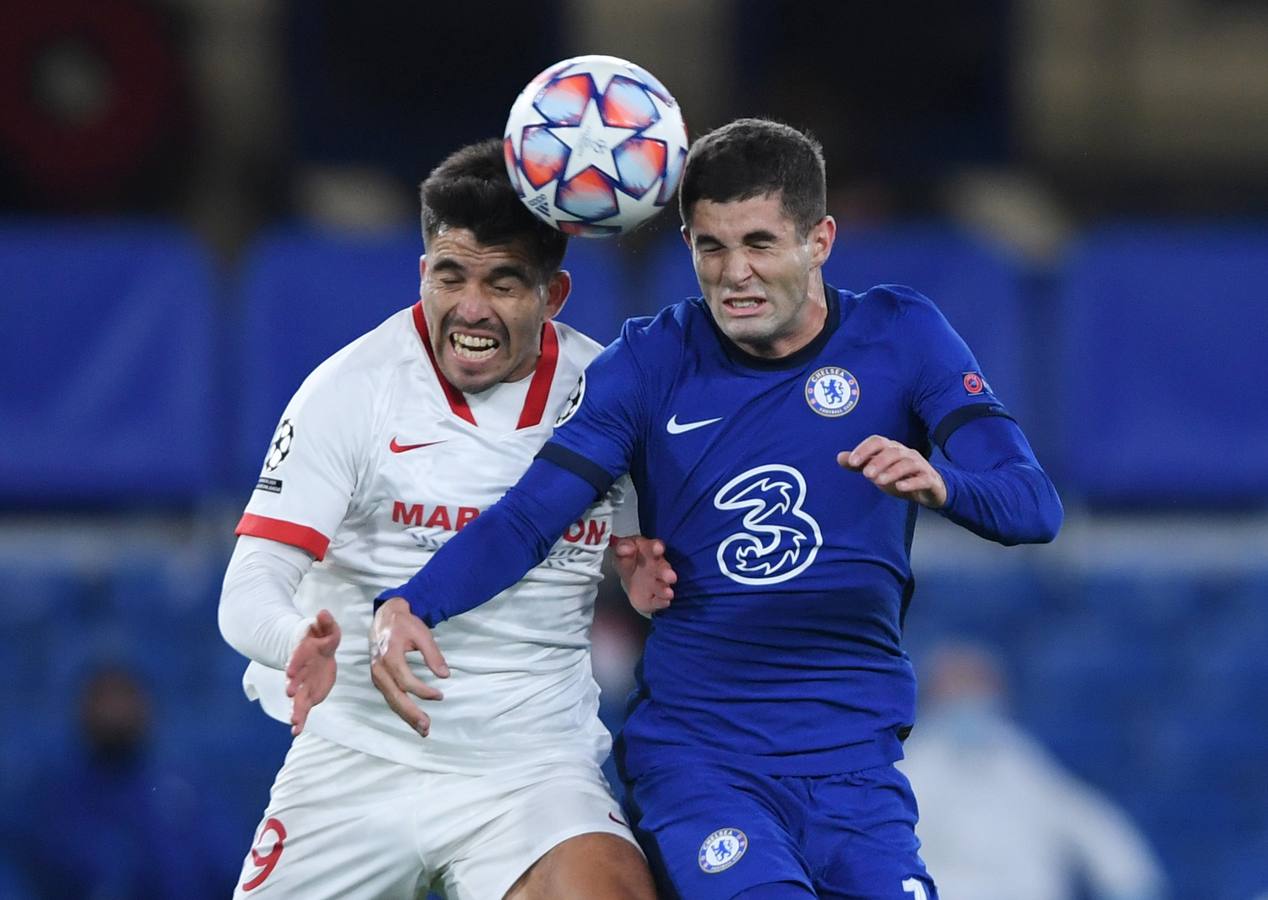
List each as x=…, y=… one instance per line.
x=494, y=551
x=995, y=486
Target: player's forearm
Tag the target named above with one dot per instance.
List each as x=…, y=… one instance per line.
x=499, y=547
x=995, y=486
x=1015, y=504
x=257, y=613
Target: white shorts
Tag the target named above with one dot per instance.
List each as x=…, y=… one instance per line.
x=341, y=823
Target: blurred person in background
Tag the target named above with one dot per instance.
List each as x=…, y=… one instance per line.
x=1000, y=818
x=112, y=823
x=390, y=448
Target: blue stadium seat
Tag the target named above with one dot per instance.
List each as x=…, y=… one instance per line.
x=1161, y=356
x=978, y=288
x=600, y=300
x=160, y=617
x=107, y=361
x=304, y=295
x=670, y=276
x=37, y=599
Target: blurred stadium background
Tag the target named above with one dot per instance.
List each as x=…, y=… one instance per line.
x=204, y=198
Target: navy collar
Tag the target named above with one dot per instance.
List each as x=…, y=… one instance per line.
x=794, y=360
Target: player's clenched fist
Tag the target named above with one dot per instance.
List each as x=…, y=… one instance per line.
x=394, y=632
x=896, y=469
x=645, y=574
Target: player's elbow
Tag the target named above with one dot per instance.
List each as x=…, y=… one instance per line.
x=1053, y=518
x=229, y=622
x=1049, y=513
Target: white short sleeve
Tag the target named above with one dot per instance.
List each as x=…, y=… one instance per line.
x=313, y=462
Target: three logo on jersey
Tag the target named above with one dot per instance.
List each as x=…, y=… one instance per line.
x=779, y=539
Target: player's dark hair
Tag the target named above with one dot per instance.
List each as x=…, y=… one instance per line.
x=470, y=189
x=750, y=158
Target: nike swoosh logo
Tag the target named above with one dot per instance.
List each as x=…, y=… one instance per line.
x=618, y=821
x=401, y=448
x=673, y=426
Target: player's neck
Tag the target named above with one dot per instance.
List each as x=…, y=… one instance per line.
x=812, y=318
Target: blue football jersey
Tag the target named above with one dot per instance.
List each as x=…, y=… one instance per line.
x=781, y=650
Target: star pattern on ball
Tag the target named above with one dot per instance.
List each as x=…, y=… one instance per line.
x=666, y=128
x=593, y=142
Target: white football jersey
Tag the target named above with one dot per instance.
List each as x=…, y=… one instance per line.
x=378, y=460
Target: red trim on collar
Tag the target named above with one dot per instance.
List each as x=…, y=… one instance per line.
x=457, y=402
x=538, y=388
x=543, y=376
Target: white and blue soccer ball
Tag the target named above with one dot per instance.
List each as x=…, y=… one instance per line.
x=595, y=146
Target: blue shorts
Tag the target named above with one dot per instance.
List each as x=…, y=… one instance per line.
x=712, y=832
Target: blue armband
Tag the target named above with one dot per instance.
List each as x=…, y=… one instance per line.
x=496, y=549
x=995, y=486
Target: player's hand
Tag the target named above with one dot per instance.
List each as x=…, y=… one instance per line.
x=311, y=672
x=394, y=632
x=645, y=573
x=896, y=469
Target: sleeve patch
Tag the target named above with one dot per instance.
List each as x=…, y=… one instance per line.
x=975, y=384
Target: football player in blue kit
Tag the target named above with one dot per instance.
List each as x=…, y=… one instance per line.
x=778, y=432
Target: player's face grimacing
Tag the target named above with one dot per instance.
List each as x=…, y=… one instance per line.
x=485, y=305
x=759, y=277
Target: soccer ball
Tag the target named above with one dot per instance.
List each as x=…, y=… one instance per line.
x=595, y=146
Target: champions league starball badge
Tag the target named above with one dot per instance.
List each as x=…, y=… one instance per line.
x=280, y=446
x=832, y=391
x=573, y=403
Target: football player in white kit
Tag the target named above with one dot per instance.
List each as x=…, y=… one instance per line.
x=388, y=448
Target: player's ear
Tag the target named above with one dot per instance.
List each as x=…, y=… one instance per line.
x=422, y=271
x=557, y=291
x=686, y=235
x=823, y=235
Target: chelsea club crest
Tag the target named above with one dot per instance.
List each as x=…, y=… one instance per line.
x=832, y=391
x=722, y=849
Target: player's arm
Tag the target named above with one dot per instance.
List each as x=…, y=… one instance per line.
x=489, y=555
x=258, y=618
x=497, y=548
x=305, y=489
x=994, y=486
